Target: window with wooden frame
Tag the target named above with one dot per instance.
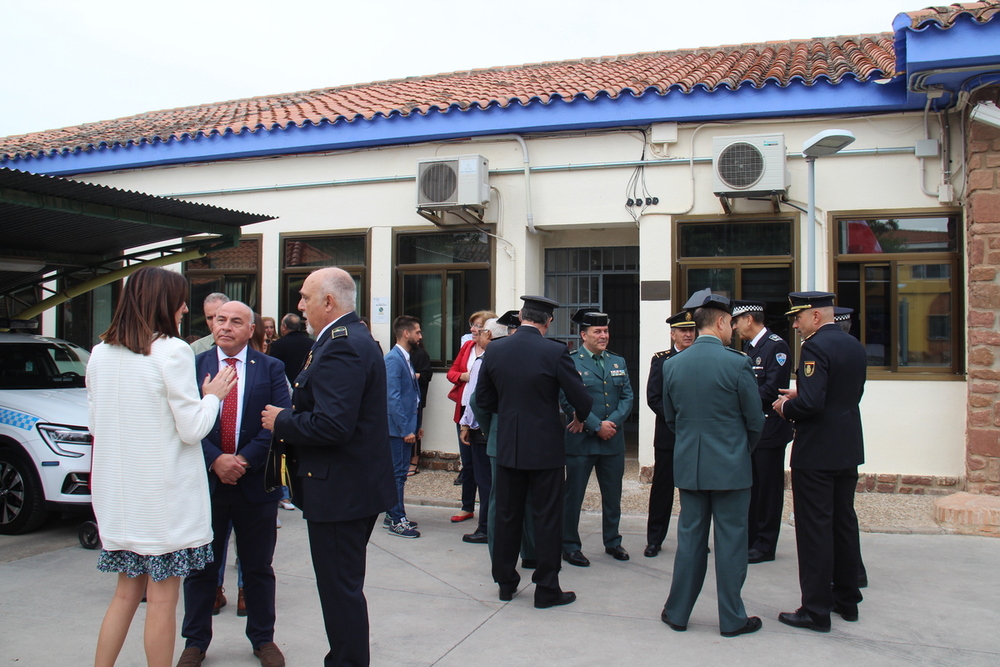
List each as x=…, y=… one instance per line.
x=442, y=279
x=234, y=272
x=301, y=255
x=902, y=276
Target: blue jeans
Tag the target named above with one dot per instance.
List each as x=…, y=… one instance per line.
x=401, y=465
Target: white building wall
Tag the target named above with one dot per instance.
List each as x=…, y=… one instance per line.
x=911, y=426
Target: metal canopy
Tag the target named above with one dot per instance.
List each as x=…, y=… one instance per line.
x=50, y=227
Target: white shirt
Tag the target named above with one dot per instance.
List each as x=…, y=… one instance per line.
x=468, y=418
x=241, y=364
x=756, y=339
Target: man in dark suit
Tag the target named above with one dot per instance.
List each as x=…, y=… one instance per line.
x=826, y=453
x=598, y=442
x=711, y=403
x=520, y=381
x=337, y=440
x=772, y=366
x=661, y=492
x=236, y=451
x=293, y=346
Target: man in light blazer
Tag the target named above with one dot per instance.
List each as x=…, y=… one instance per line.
x=403, y=403
x=711, y=402
x=236, y=451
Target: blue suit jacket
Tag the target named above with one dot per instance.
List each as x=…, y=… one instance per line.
x=402, y=394
x=264, y=383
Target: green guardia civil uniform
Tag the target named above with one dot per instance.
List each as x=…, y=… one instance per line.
x=608, y=384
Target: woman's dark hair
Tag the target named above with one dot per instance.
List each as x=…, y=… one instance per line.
x=257, y=340
x=146, y=309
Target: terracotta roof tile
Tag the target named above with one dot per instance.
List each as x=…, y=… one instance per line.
x=946, y=16
x=774, y=63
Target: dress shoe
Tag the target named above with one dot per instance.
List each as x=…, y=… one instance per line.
x=847, y=612
x=220, y=600
x=673, y=626
x=576, y=558
x=753, y=625
x=191, y=657
x=800, y=618
x=617, y=552
x=476, y=538
x=564, y=598
x=459, y=518
x=651, y=550
x=241, y=604
x=757, y=556
x=529, y=564
x=270, y=655
x=507, y=592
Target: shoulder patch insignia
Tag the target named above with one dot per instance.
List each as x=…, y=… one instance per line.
x=338, y=332
x=809, y=367
x=776, y=338
x=781, y=358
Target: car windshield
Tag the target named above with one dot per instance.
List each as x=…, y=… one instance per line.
x=42, y=366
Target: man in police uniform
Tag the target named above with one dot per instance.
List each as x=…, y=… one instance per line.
x=827, y=451
x=599, y=441
x=710, y=401
x=772, y=366
x=520, y=381
x=661, y=492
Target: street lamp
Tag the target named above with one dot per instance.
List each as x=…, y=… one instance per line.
x=825, y=143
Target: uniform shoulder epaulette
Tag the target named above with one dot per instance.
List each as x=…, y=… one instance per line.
x=732, y=350
x=338, y=332
x=661, y=354
x=614, y=354
x=776, y=338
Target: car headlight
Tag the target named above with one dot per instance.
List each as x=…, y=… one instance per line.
x=58, y=436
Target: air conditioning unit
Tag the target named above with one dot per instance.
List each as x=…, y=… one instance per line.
x=751, y=165
x=453, y=182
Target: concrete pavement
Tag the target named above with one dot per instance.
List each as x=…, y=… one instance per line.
x=933, y=600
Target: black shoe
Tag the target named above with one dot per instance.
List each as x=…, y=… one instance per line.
x=753, y=625
x=529, y=564
x=800, y=618
x=757, y=556
x=617, y=552
x=848, y=613
x=563, y=598
x=476, y=538
x=458, y=481
x=651, y=550
x=576, y=558
x=507, y=592
x=673, y=626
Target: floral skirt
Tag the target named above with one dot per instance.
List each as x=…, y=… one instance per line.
x=175, y=564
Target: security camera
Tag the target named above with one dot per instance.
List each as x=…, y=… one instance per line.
x=987, y=112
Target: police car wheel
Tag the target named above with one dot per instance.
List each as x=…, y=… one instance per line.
x=21, y=498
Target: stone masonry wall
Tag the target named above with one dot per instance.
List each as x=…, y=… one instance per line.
x=983, y=246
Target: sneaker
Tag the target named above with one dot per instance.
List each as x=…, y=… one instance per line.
x=286, y=504
x=387, y=522
x=278, y=524
x=403, y=528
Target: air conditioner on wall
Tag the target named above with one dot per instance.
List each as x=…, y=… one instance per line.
x=452, y=182
x=751, y=165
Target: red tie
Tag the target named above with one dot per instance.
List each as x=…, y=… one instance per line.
x=229, y=415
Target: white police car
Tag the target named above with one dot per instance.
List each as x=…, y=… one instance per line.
x=45, y=446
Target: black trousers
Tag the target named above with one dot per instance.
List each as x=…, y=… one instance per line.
x=661, y=496
x=546, y=487
x=338, y=551
x=483, y=473
x=826, y=537
x=254, y=527
x=767, y=499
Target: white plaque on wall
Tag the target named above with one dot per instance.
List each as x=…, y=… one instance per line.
x=380, y=310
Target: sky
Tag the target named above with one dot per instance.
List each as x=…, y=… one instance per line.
x=69, y=62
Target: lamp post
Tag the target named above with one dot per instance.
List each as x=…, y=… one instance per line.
x=826, y=142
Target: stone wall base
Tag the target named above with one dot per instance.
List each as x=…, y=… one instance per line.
x=434, y=460
x=969, y=514
x=930, y=485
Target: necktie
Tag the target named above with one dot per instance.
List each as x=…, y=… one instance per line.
x=599, y=360
x=229, y=406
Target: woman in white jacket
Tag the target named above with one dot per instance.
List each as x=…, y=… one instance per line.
x=149, y=485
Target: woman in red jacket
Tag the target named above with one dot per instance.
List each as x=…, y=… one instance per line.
x=458, y=375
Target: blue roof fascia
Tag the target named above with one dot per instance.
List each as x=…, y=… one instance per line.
x=701, y=105
x=966, y=44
